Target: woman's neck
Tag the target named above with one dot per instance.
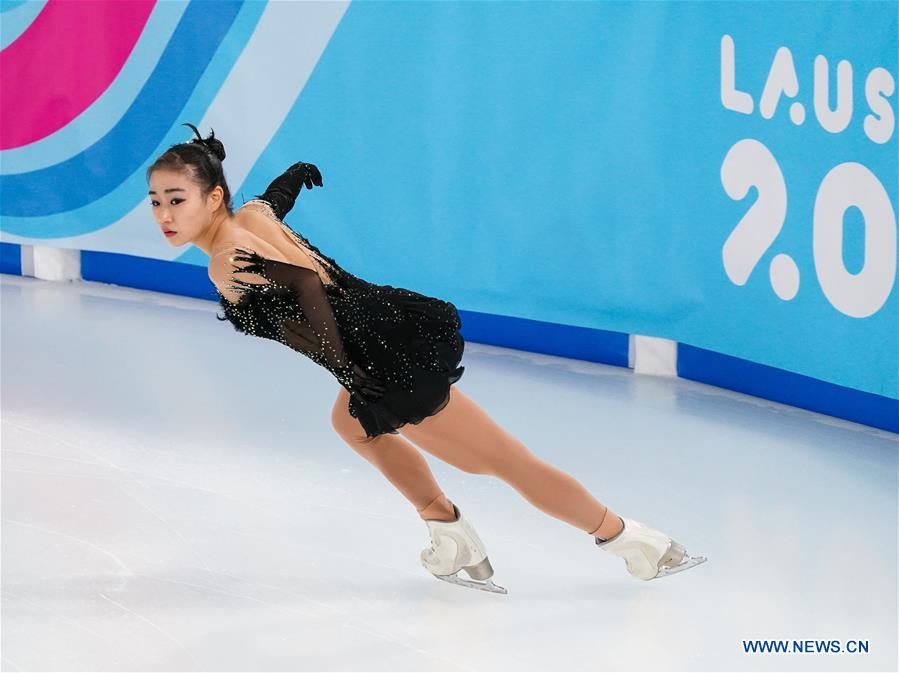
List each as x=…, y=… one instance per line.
x=221, y=229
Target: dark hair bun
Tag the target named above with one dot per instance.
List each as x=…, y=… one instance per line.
x=211, y=144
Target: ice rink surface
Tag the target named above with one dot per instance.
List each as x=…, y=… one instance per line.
x=175, y=499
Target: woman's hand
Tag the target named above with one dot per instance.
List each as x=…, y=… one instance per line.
x=367, y=388
x=283, y=191
x=308, y=173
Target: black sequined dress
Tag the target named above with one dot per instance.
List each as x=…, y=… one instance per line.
x=409, y=342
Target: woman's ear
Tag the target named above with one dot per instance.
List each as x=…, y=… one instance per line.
x=215, y=197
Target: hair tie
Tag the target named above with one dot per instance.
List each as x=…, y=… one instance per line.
x=201, y=140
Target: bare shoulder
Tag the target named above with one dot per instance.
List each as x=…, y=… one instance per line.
x=257, y=232
x=258, y=207
x=222, y=262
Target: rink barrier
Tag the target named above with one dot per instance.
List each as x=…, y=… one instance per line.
x=146, y=273
x=11, y=258
x=779, y=385
x=594, y=345
x=537, y=336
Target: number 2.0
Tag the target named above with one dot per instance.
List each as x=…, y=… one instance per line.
x=750, y=164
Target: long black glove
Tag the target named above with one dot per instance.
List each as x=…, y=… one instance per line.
x=282, y=193
x=318, y=337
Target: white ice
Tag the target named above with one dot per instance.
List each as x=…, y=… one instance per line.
x=175, y=498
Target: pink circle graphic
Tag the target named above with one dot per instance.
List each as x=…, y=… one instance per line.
x=63, y=62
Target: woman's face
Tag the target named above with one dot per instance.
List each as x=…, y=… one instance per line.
x=178, y=207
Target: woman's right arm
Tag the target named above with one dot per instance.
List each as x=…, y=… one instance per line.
x=318, y=335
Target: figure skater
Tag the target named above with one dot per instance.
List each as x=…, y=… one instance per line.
x=396, y=354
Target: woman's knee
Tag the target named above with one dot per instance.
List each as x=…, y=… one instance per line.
x=349, y=428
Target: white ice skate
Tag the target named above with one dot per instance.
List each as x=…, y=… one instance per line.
x=648, y=553
x=456, y=546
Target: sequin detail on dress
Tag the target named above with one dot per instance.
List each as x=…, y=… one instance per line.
x=408, y=341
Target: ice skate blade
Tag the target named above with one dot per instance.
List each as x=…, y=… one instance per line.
x=686, y=564
x=487, y=585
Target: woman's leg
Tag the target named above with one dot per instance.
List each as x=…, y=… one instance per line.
x=398, y=460
x=463, y=435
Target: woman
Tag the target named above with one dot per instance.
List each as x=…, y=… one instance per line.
x=396, y=354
